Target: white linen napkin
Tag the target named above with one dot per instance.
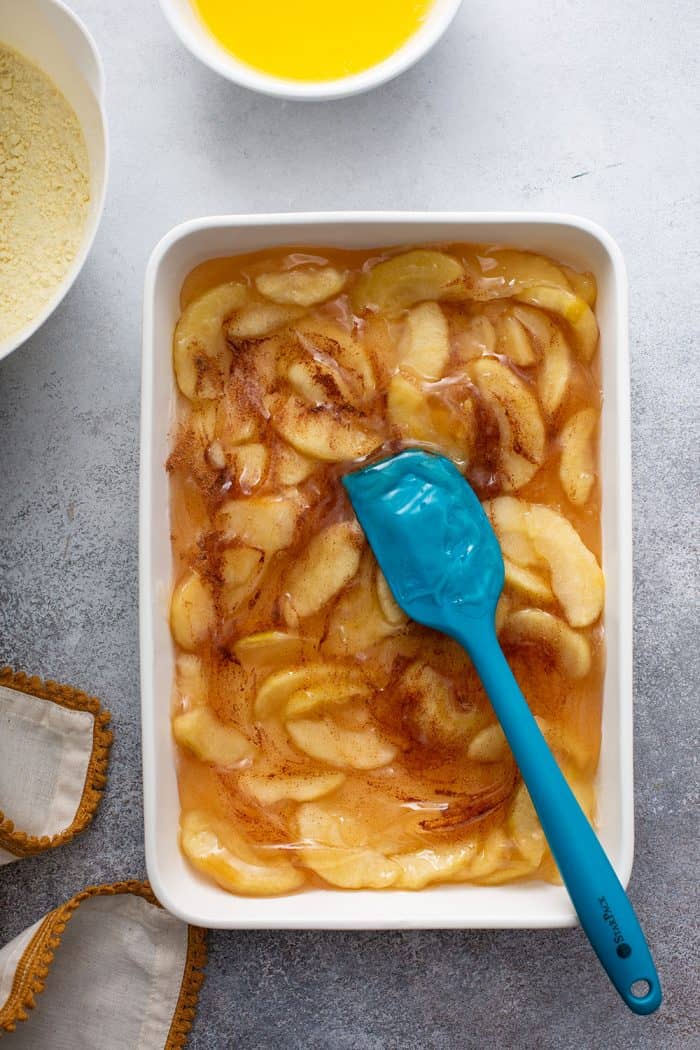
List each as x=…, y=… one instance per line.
x=114, y=970
x=54, y=748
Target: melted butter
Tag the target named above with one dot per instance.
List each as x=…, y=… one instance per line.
x=312, y=39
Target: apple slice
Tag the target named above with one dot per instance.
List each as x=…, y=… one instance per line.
x=504, y=607
x=236, y=419
x=490, y=856
x=425, y=347
x=311, y=698
x=392, y=611
x=192, y=615
x=402, y=281
x=537, y=323
x=518, y=270
x=249, y=464
x=574, y=310
x=213, y=847
x=277, y=688
x=278, y=787
x=202, y=733
x=584, y=284
x=508, y=515
x=201, y=423
x=327, y=742
x=534, y=536
x=330, y=824
x=331, y=435
x=267, y=523
x=352, y=869
x=432, y=712
x=577, y=579
x=554, y=374
x=320, y=335
x=425, y=420
x=320, y=383
x=434, y=864
x=326, y=566
x=571, y=651
x=359, y=619
x=289, y=467
x=489, y=745
x=256, y=320
x=336, y=848
x=472, y=337
x=522, y=438
x=191, y=680
x=201, y=357
x=268, y=647
x=514, y=342
x=241, y=568
x=525, y=828
x=531, y=585
x=577, y=464
x=301, y=286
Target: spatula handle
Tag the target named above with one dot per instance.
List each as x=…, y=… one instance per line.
x=601, y=903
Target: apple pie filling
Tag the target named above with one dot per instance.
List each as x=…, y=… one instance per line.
x=324, y=739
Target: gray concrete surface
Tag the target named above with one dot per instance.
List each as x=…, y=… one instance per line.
x=589, y=108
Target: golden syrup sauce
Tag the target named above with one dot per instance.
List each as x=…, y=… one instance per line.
x=431, y=795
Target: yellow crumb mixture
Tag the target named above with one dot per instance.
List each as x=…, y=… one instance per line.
x=44, y=190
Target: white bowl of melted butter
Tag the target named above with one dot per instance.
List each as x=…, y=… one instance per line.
x=53, y=160
x=322, y=49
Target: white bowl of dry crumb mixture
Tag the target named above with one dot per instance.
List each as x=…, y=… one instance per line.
x=53, y=160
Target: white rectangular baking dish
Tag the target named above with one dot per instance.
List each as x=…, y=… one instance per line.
x=177, y=885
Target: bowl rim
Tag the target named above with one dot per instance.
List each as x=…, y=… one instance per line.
x=221, y=61
x=558, y=913
x=22, y=335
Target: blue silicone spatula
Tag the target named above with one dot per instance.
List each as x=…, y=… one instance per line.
x=443, y=563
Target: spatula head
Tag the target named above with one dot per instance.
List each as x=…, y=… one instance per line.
x=431, y=537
